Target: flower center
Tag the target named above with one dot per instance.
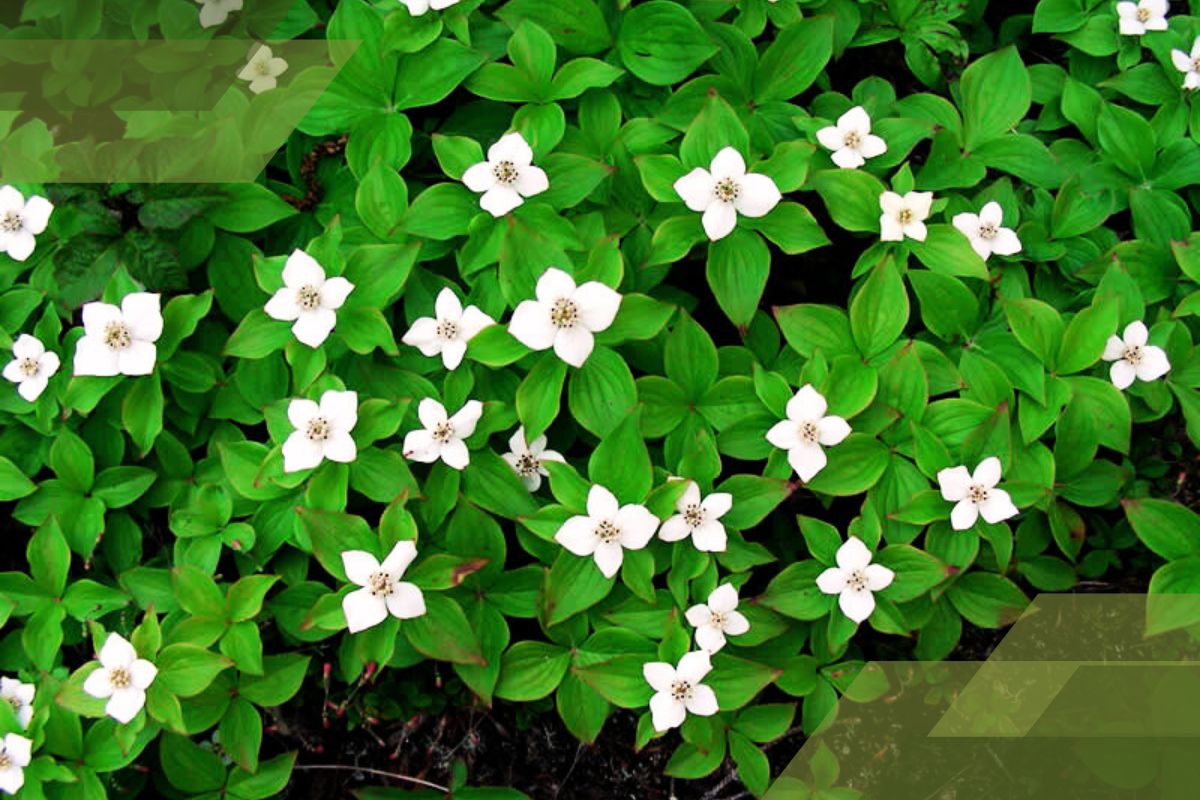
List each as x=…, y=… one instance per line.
x=1143, y=14
x=905, y=216
x=852, y=139
x=607, y=533
x=988, y=231
x=857, y=580
x=443, y=432
x=1133, y=354
x=5, y=761
x=262, y=68
x=977, y=493
x=308, y=297
x=809, y=433
x=318, y=429
x=1196, y=64
x=11, y=222
x=119, y=678
x=727, y=190
x=505, y=172
x=447, y=329
x=117, y=336
x=681, y=691
x=564, y=313
x=28, y=367
x=16, y=703
x=693, y=515
x=527, y=465
x=717, y=620
x=380, y=584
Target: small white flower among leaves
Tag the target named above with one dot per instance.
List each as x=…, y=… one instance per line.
x=527, y=459
x=607, y=530
x=678, y=690
x=122, y=678
x=15, y=753
x=975, y=495
x=564, y=316
x=419, y=7
x=263, y=70
x=322, y=431
x=382, y=591
x=21, y=221
x=904, y=215
x=699, y=518
x=215, y=12
x=308, y=298
x=447, y=333
x=1134, y=359
x=855, y=579
x=725, y=190
x=19, y=697
x=717, y=618
x=806, y=431
x=31, y=368
x=1145, y=15
x=507, y=177
x=443, y=435
x=986, y=233
x=120, y=341
x=851, y=139
x=1188, y=64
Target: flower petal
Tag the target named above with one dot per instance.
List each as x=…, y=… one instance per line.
x=717, y=504
x=758, y=196
x=530, y=181
x=574, y=345
x=597, y=304
x=1154, y=363
x=696, y=189
x=872, y=146
x=998, y=507
x=300, y=453
x=36, y=215
x=1136, y=334
x=674, y=529
x=340, y=447
x=1114, y=348
x=313, y=327
x=878, y=577
x=555, y=284
x=703, y=701
x=807, y=404
x=666, y=712
x=125, y=704
x=987, y=472
x=848, y=158
x=93, y=357
x=406, y=601
x=784, y=434
x=301, y=270
x=142, y=673
x=1006, y=243
x=964, y=515
x=578, y=535
x=1122, y=374
x=359, y=566
x=853, y=554
x=698, y=615
x=832, y=581
x=992, y=214
x=513, y=148
x=659, y=674
x=300, y=411
x=832, y=430
x=637, y=526
x=423, y=336
x=954, y=483
x=728, y=163
x=531, y=325
x=20, y=245
x=340, y=409
x=499, y=200
x=693, y=667
x=431, y=412
x=601, y=503
x=283, y=305
x=710, y=537
x=453, y=353
x=479, y=177
x=856, y=605
x=831, y=138
x=363, y=610
x=736, y=623
x=455, y=454
x=472, y=322
x=807, y=460
x=27, y=346
x=466, y=418
x=401, y=555
x=97, y=683
x=723, y=599
x=335, y=291
x=117, y=652
x=137, y=359
x=719, y=220
x=608, y=558
x=709, y=638
x=447, y=306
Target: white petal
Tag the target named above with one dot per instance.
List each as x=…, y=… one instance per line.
x=531, y=180
x=1122, y=374
x=359, y=566
x=659, y=674
x=11, y=779
x=1006, y=243
x=93, y=357
x=674, y=529
x=694, y=666
x=299, y=452
x=601, y=504
x=608, y=558
x=703, y=701
x=447, y=305
x=920, y=203
x=301, y=270
x=666, y=712
x=998, y=507
x=831, y=138
x=848, y=158
x=872, y=146
x=97, y=316
x=282, y=305
x=723, y=599
x=513, y=148
x=915, y=230
x=340, y=447
x=710, y=537
x=137, y=359
x=453, y=353
x=419, y=446
x=832, y=430
x=423, y=336
x=14, y=372
x=554, y=284
x=472, y=322
x=97, y=683
x=784, y=434
x=406, y=601
x=479, y=177
x=964, y=515
x=117, y=652
x=20, y=245
x=1114, y=348
x=853, y=554
x=27, y=346
x=578, y=535
x=710, y=639
x=335, y=291
x=18, y=748
x=1154, y=363
x=531, y=326
x=736, y=624
x=597, y=304
x=856, y=605
x=855, y=120
x=499, y=200
x=431, y=412
x=717, y=504
x=467, y=417
x=455, y=455
x=11, y=200
x=402, y=554
x=719, y=220
x=807, y=404
x=992, y=214
x=890, y=230
x=313, y=327
x=340, y=409
x=142, y=673
x=988, y=472
x=878, y=577
x=31, y=388
x=698, y=615
x=573, y=345
x=125, y=704
x=1136, y=334
x=696, y=189
x=637, y=526
x=758, y=196
x=954, y=483
x=807, y=460
x=967, y=224
x=363, y=610
x=891, y=203
x=832, y=581
x=300, y=410
x=728, y=163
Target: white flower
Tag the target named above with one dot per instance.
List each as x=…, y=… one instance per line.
x=309, y=298
x=122, y=677
x=1189, y=64
x=855, y=579
x=507, y=177
x=678, y=692
x=717, y=618
x=15, y=753
x=564, y=316
x=31, y=367
x=20, y=697
x=1133, y=358
x=20, y=221
x=806, y=430
x=1144, y=15
x=322, y=430
x=262, y=70
x=419, y=7
x=120, y=341
x=215, y=12
x=448, y=332
x=904, y=215
x=698, y=518
x=382, y=591
x=975, y=495
x=442, y=437
x=985, y=232
x=607, y=530
x=725, y=190
x=851, y=139
x=527, y=459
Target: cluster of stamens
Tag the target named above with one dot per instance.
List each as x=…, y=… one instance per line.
x=28, y=367
x=11, y=222
x=977, y=493
x=1133, y=354
x=262, y=68
x=717, y=620
x=852, y=139
x=443, y=432
x=505, y=172
x=727, y=190
x=117, y=336
x=318, y=429
x=693, y=515
x=527, y=465
x=857, y=580
x=119, y=678
x=564, y=313
x=380, y=584
x=447, y=329
x=15, y=702
x=308, y=297
x=905, y=216
x=681, y=691
x=1143, y=15
x=809, y=433
x=607, y=533
x=5, y=761
x=988, y=231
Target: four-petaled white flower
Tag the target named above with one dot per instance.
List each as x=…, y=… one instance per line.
x=1133, y=358
x=527, y=458
x=855, y=579
x=904, y=215
x=985, y=233
x=507, y=177
x=717, y=618
x=678, y=691
x=700, y=519
x=725, y=190
x=1144, y=15
x=449, y=331
x=1188, y=64
x=122, y=677
x=976, y=495
x=806, y=430
x=851, y=139
x=442, y=437
x=382, y=591
x=608, y=530
x=322, y=430
x=15, y=754
x=31, y=367
x=120, y=341
x=215, y=12
x=309, y=298
x=263, y=69
x=419, y=7
x=21, y=221
x=564, y=316
x=19, y=697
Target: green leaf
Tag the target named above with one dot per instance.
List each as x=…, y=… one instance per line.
x=248, y=207
x=573, y=584
x=442, y=211
x=996, y=94
x=987, y=600
x=1172, y=602
x=601, y=393
x=794, y=59
x=187, y=670
x=443, y=632
x=72, y=461
x=1127, y=138
x=852, y=197
x=737, y=271
x=576, y=25
x=662, y=43
x=142, y=411
x=879, y=312
x=531, y=670
x=13, y=483
x=1168, y=528
x=621, y=462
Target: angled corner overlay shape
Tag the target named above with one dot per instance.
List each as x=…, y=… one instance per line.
x=1075, y=702
x=159, y=111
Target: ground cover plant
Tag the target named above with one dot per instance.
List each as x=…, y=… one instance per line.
x=589, y=390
